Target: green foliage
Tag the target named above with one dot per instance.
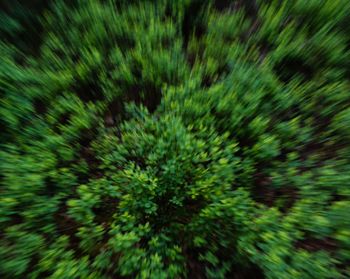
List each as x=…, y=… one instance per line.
x=175, y=139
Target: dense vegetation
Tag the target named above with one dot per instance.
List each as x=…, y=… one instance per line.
x=175, y=139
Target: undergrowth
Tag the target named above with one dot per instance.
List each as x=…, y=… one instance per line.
x=175, y=139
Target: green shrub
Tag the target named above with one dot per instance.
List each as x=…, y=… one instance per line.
x=174, y=139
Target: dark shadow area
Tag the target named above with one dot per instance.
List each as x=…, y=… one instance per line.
x=28, y=35
x=313, y=244
x=291, y=67
x=193, y=21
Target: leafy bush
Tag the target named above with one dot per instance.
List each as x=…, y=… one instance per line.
x=175, y=139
